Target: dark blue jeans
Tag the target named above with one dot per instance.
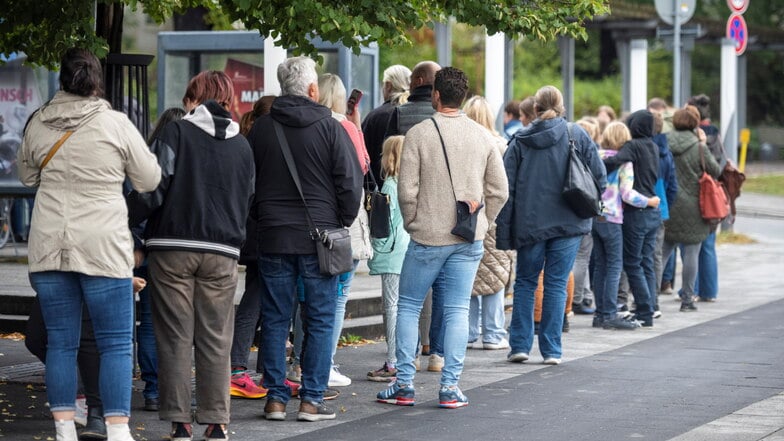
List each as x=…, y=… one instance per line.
x=608, y=263
x=556, y=256
x=145, y=340
x=110, y=302
x=707, y=285
x=246, y=318
x=639, y=244
x=278, y=275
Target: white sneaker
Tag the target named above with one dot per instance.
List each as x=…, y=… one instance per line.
x=503, y=344
x=80, y=417
x=435, y=363
x=294, y=373
x=552, y=361
x=517, y=357
x=336, y=379
x=657, y=314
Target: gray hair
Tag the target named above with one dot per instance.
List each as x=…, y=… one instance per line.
x=296, y=74
x=399, y=79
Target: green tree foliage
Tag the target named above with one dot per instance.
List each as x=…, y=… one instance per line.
x=44, y=29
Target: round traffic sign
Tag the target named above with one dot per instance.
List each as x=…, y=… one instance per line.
x=685, y=9
x=737, y=31
x=738, y=6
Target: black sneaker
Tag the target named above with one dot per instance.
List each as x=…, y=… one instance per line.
x=565, y=327
x=151, y=404
x=181, y=432
x=314, y=411
x=582, y=309
x=645, y=323
x=216, y=432
x=688, y=307
x=621, y=324
x=597, y=321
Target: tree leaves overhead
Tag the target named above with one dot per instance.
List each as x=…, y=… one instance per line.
x=43, y=30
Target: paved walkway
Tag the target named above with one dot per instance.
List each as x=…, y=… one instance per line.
x=694, y=376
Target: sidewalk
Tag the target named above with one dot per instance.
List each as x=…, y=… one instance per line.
x=654, y=376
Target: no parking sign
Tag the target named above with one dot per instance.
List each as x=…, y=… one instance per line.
x=737, y=31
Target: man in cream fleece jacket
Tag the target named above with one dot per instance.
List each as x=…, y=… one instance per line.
x=436, y=257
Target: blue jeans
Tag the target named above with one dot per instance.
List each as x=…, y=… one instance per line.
x=708, y=274
x=145, y=340
x=608, y=252
x=669, y=269
x=278, y=274
x=639, y=244
x=491, y=310
x=557, y=257
x=110, y=302
x=343, y=290
x=455, y=266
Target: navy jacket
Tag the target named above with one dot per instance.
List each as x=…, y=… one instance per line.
x=535, y=163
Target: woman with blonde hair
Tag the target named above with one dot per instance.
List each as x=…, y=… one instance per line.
x=538, y=223
x=495, y=268
x=388, y=254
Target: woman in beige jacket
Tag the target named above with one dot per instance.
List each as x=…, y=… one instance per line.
x=78, y=152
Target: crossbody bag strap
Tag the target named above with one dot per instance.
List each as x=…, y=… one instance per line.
x=446, y=158
x=55, y=148
x=284, y=147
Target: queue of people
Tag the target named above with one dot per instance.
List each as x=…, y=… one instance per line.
x=473, y=213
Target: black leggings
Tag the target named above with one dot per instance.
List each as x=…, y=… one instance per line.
x=88, y=359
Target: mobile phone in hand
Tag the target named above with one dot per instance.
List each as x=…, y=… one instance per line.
x=353, y=101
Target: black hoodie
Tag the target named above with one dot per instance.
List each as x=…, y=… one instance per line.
x=641, y=151
x=328, y=169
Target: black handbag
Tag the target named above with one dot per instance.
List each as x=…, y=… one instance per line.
x=465, y=224
x=333, y=245
x=377, y=206
x=581, y=191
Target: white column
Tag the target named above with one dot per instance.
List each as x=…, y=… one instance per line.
x=729, y=98
x=494, y=71
x=273, y=56
x=638, y=75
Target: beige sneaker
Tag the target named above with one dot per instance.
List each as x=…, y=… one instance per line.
x=435, y=363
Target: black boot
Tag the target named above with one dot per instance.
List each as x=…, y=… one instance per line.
x=96, y=427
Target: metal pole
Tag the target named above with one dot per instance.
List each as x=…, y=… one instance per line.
x=676, y=54
x=566, y=47
x=444, y=42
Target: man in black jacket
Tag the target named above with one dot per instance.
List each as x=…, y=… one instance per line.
x=331, y=181
x=420, y=103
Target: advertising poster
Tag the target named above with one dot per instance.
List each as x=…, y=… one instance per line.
x=248, y=82
x=19, y=97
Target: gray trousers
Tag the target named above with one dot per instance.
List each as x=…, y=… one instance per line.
x=582, y=281
x=691, y=259
x=193, y=315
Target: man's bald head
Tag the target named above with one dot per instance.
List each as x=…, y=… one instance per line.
x=424, y=74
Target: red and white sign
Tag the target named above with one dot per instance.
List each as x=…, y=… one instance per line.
x=248, y=82
x=739, y=32
x=738, y=6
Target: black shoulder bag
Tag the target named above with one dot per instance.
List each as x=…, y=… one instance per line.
x=332, y=245
x=580, y=191
x=377, y=206
x=465, y=226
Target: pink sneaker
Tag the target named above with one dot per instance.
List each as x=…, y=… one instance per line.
x=244, y=387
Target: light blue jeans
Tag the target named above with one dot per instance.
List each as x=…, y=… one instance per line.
x=344, y=289
x=491, y=310
x=110, y=302
x=455, y=266
x=556, y=256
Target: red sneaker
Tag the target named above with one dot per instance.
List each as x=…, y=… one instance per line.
x=293, y=386
x=243, y=386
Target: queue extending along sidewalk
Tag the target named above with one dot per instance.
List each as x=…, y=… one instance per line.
x=749, y=278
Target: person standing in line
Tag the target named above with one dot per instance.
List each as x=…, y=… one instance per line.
x=686, y=226
x=539, y=224
x=395, y=91
x=495, y=268
x=419, y=108
x=195, y=228
x=512, y=121
x=388, y=255
x=331, y=182
x=640, y=225
x=435, y=257
x=77, y=151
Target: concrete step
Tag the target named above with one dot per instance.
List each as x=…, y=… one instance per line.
x=12, y=323
x=369, y=327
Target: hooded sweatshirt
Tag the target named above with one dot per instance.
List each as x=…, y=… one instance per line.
x=536, y=163
x=80, y=221
x=328, y=169
x=202, y=202
x=641, y=152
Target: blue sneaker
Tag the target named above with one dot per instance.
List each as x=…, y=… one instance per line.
x=399, y=394
x=450, y=397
